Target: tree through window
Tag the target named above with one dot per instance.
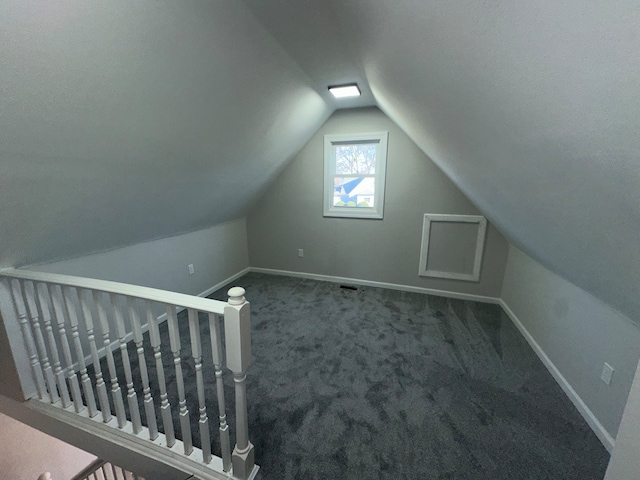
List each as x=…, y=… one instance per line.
x=354, y=175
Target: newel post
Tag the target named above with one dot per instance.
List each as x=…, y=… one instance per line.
x=237, y=328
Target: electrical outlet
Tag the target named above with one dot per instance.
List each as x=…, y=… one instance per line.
x=607, y=373
x=300, y=253
x=191, y=269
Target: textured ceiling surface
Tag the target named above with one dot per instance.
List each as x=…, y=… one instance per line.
x=122, y=121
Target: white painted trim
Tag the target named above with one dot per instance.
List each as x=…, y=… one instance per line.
x=221, y=284
x=372, y=283
x=204, y=294
x=153, y=449
x=145, y=327
x=604, y=436
x=90, y=469
x=153, y=294
x=429, y=218
x=380, y=140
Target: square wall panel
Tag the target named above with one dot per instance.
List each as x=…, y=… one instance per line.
x=452, y=246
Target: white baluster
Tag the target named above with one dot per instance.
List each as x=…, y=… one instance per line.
x=44, y=301
x=29, y=344
x=71, y=299
x=29, y=295
x=87, y=300
x=216, y=351
x=132, y=397
x=174, y=339
x=115, y=473
x=116, y=392
x=237, y=329
x=196, y=352
x=55, y=293
x=165, y=407
x=149, y=410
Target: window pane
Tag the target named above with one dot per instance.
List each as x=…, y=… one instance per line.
x=356, y=158
x=354, y=192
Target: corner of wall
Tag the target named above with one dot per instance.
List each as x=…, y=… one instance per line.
x=289, y=216
x=573, y=334
x=217, y=253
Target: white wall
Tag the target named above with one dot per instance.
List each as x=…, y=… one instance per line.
x=290, y=216
x=217, y=253
x=578, y=333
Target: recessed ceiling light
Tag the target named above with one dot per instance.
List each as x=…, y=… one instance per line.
x=341, y=91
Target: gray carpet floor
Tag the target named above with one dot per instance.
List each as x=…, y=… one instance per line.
x=382, y=384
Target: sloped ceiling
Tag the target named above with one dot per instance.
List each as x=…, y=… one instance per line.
x=125, y=121
x=532, y=108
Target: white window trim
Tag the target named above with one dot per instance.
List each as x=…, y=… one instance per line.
x=474, y=276
x=377, y=211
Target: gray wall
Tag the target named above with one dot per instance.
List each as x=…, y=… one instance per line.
x=9, y=380
x=217, y=253
x=122, y=123
x=577, y=332
x=289, y=217
x=625, y=458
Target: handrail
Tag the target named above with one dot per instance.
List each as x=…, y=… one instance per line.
x=89, y=469
x=153, y=294
x=116, y=473
x=67, y=326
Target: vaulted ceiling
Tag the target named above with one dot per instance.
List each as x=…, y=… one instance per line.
x=126, y=121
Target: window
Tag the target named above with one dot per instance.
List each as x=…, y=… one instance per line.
x=354, y=174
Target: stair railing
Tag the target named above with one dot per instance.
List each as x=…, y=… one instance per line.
x=101, y=470
x=70, y=324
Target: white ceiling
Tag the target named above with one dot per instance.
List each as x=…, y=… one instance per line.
x=126, y=121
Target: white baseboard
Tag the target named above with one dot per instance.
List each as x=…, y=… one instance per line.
x=145, y=327
x=218, y=286
x=372, y=283
x=604, y=436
